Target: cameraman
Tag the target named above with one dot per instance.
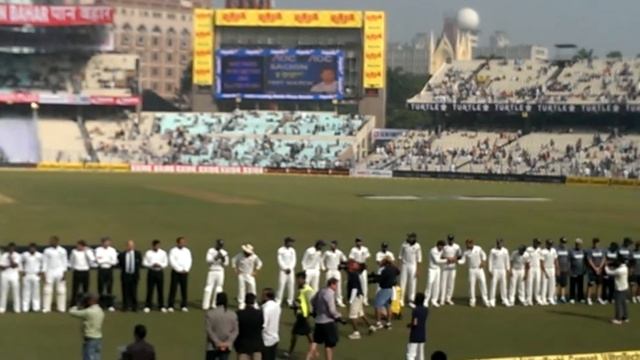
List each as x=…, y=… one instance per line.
x=92, y=316
x=325, y=332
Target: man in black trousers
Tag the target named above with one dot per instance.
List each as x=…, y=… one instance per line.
x=155, y=260
x=106, y=260
x=129, y=262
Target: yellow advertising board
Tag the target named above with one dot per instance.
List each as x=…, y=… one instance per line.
x=620, y=355
x=203, y=42
x=289, y=18
x=374, y=68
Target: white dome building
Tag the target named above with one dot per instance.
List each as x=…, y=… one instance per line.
x=468, y=19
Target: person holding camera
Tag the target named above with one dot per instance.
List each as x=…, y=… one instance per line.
x=217, y=259
x=92, y=318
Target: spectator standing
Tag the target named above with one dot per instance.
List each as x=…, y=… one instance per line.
x=271, y=329
x=620, y=273
x=32, y=269
x=155, y=260
x=140, y=349
x=80, y=262
x=249, y=342
x=106, y=260
x=325, y=331
x=11, y=267
x=387, y=279
x=578, y=267
x=54, y=266
x=180, y=260
x=222, y=329
x=130, y=261
x=92, y=318
x=418, y=329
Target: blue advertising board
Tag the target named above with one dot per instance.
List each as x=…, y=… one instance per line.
x=279, y=74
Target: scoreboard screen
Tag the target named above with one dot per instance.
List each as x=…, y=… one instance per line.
x=279, y=74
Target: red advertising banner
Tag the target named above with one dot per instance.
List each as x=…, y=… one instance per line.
x=45, y=15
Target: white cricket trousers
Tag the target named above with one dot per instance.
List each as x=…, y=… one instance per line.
x=533, y=285
x=245, y=281
x=57, y=280
x=31, y=292
x=477, y=276
x=498, y=278
x=213, y=286
x=433, y=286
x=415, y=351
x=364, y=281
x=335, y=274
x=447, y=283
x=408, y=275
x=517, y=285
x=548, y=291
x=10, y=283
x=285, y=281
x=313, y=279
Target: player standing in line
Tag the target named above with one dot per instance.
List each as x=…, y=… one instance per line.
x=287, y=260
x=595, y=270
x=436, y=261
x=331, y=261
x=247, y=264
x=384, y=253
x=562, y=280
x=635, y=271
x=155, y=260
x=452, y=253
x=32, y=269
x=410, y=257
x=312, y=264
x=576, y=282
x=54, y=266
x=608, y=285
x=217, y=258
x=534, y=278
x=106, y=260
x=81, y=261
x=11, y=267
x=549, y=265
x=519, y=269
x=625, y=250
x=476, y=258
x=180, y=260
x=498, y=268
x=360, y=254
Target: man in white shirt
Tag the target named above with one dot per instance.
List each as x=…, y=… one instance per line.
x=54, y=266
x=384, y=253
x=452, y=253
x=410, y=257
x=332, y=260
x=360, y=254
x=433, y=279
x=519, y=268
x=476, y=258
x=247, y=264
x=271, y=328
x=534, y=276
x=620, y=272
x=180, y=261
x=312, y=264
x=11, y=267
x=217, y=258
x=32, y=269
x=130, y=262
x=80, y=262
x=155, y=260
x=498, y=268
x=106, y=260
x=549, y=264
x=287, y=260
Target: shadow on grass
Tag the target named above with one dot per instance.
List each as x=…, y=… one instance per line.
x=580, y=315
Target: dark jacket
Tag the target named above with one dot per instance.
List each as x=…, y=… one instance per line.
x=137, y=262
x=139, y=350
x=249, y=338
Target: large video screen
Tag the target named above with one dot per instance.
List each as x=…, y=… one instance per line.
x=279, y=74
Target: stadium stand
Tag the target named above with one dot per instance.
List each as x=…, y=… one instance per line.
x=61, y=141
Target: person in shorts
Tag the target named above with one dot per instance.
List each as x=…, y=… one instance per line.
x=302, y=308
x=387, y=278
x=325, y=331
x=356, y=300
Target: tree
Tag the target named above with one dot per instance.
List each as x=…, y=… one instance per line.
x=584, y=54
x=616, y=54
x=401, y=86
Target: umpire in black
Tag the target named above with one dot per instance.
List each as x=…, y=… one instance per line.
x=130, y=261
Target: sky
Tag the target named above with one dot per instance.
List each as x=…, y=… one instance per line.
x=602, y=25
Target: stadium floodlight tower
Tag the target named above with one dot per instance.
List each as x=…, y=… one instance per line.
x=565, y=53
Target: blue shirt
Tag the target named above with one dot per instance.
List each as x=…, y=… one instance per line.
x=418, y=332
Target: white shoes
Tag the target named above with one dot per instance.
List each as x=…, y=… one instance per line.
x=412, y=305
x=355, y=335
x=435, y=304
x=111, y=309
x=164, y=310
x=341, y=304
x=449, y=302
x=170, y=310
x=184, y=309
x=146, y=310
x=589, y=302
x=472, y=303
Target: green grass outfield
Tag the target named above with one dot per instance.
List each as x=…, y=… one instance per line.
x=264, y=209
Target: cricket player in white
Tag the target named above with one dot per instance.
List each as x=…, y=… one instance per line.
x=11, y=266
x=476, y=258
x=360, y=254
x=287, y=259
x=452, y=253
x=534, y=275
x=433, y=279
x=384, y=253
x=410, y=257
x=217, y=258
x=312, y=264
x=549, y=264
x=54, y=266
x=519, y=269
x=32, y=269
x=332, y=259
x=246, y=264
x=498, y=268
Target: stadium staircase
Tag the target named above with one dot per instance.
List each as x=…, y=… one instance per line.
x=86, y=139
x=511, y=141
